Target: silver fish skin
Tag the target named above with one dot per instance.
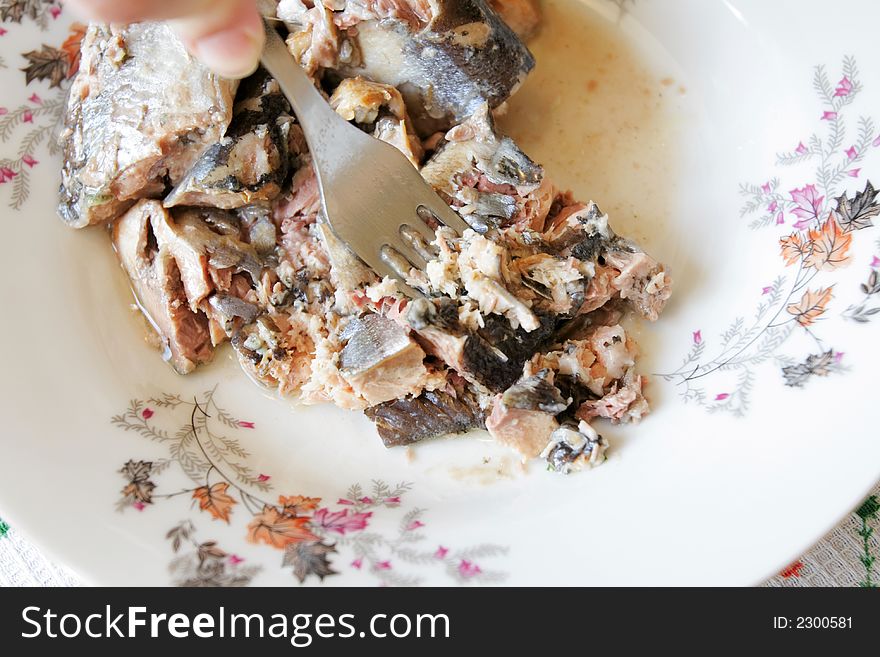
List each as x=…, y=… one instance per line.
x=141, y=111
x=380, y=360
x=251, y=162
x=464, y=57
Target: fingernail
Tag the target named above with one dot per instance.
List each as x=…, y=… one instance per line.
x=232, y=53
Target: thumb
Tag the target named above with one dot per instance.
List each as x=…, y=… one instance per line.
x=228, y=38
x=227, y=35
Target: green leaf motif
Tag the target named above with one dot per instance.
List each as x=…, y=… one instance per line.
x=869, y=508
x=4, y=528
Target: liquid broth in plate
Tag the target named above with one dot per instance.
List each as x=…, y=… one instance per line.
x=600, y=119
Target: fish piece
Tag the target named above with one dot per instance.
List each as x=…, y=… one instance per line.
x=486, y=176
x=378, y=108
x=189, y=237
x=573, y=447
x=476, y=146
x=447, y=57
x=380, y=361
x=201, y=251
x=156, y=282
x=522, y=16
x=621, y=268
x=433, y=413
x=493, y=356
x=526, y=431
x=347, y=271
x=141, y=111
x=624, y=402
x=251, y=162
x=536, y=393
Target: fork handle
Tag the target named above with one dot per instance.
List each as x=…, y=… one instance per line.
x=328, y=135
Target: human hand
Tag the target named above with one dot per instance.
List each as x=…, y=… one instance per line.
x=227, y=35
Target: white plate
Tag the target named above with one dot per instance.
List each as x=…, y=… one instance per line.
x=732, y=476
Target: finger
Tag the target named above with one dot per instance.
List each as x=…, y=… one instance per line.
x=228, y=38
x=227, y=35
x=128, y=11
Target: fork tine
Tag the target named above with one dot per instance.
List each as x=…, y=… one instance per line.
x=421, y=240
x=377, y=264
x=407, y=251
x=445, y=214
x=419, y=229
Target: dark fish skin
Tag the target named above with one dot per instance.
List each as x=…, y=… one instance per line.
x=494, y=356
x=518, y=345
x=535, y=393
x=465, y=57
x=436, y=413
x=141, y=110
x=258, y=133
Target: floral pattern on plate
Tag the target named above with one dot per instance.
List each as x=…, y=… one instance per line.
x=32, y=127
x=824, y=219
x=315, y=538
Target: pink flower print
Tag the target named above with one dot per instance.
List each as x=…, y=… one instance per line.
x=357, y=563
x=35, y=99
x=766, y=290
x=698, y=337
x=147, y=413
x=838, y=357
x=415, y=524
x=851, y=152
x=441, y=552
x=801, y=149
x=140, y=506
x=853, y=173
x=765, y=188
x=344, y=501
x=3, y=111
x=803, y=224
x=875, y=262
x=844, y=88
x=772, y=207
x=6, y=174
x=2, y=31
x=722, y=396
x=264, y=477
x=55, y=11
x=365, y=500
x=30, y=161
x=246, y=425
x=468, y=569
x=234, y=559
x=808, y=202
x=780, y=219
x=28, y=117
x=383, y=565
x=829, y=116
x=392, y=500
x=340, y=521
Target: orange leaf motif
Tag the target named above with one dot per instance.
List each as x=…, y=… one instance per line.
x=829, y=246
x=297, y=505
x=71, y=48
x=811, y=306
x=794, y=248
x=215, y=500
x=273, y=528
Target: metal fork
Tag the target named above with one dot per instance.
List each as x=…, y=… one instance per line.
x=374, y=199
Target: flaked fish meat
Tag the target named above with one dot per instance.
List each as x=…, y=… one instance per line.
x=216, y=217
